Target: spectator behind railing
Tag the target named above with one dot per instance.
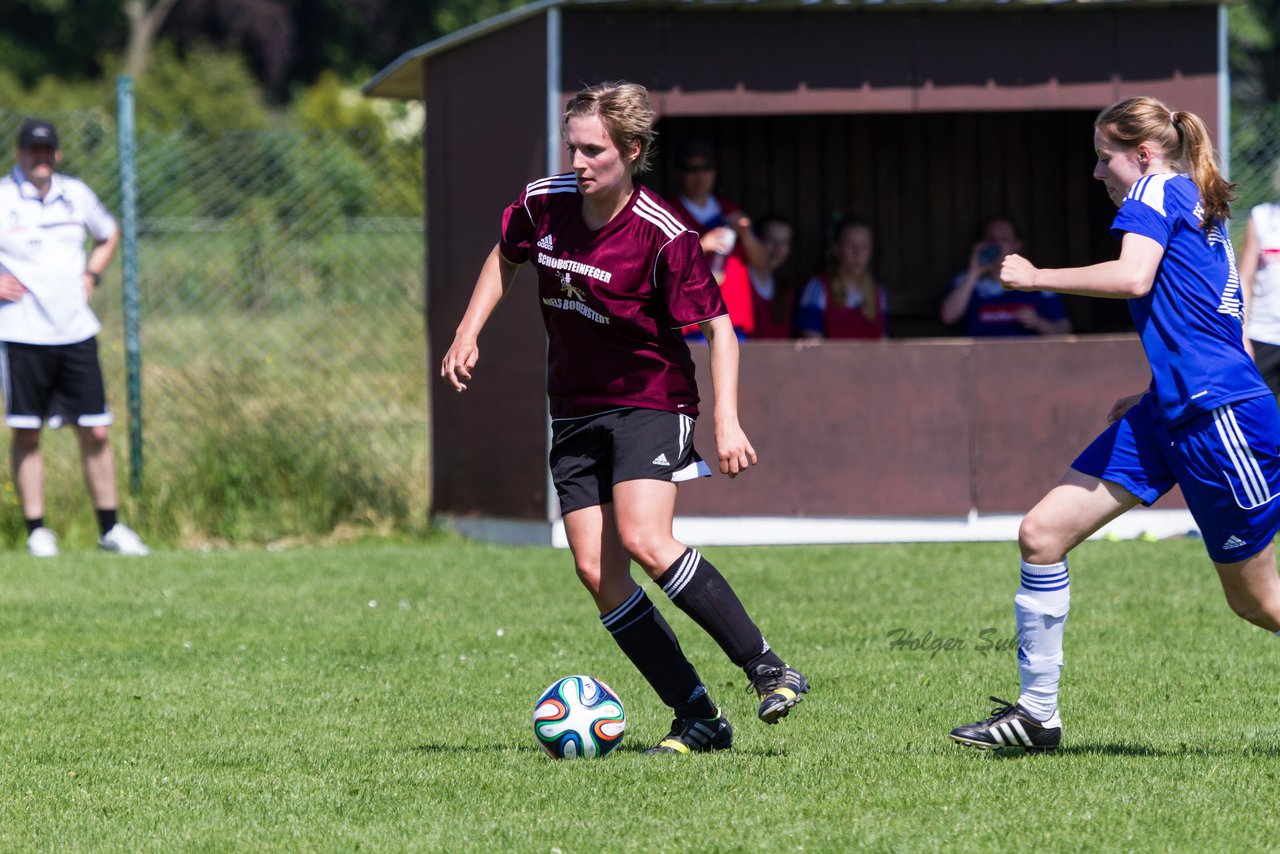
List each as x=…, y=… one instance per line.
x=844, y=301
x=723, y=229
x=772, y=302
x=1260, y=286
x=988, y=309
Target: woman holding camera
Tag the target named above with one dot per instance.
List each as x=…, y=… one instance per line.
x=988, y=309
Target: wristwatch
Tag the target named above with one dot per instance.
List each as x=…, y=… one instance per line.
x=97, y=277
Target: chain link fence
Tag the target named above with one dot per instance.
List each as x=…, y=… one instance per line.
x=1255, y=158
x=283, y=354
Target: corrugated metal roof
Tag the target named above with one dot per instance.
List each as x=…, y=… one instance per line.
x=403, y=78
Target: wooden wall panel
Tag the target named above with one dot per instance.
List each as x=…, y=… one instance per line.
x=913, y=428
x=489, y=443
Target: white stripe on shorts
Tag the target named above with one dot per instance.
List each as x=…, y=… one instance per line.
x=1257, y=491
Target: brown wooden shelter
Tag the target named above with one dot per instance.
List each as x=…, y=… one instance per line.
x=923, y=118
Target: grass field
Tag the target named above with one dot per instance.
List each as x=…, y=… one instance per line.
x=379, y=697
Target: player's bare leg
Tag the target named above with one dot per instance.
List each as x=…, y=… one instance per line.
x=1253, y=588
x=1069, y=514
x=602, y=564
x=28, y=471
x=99, y=465
x=98, y=462
x=28, y=476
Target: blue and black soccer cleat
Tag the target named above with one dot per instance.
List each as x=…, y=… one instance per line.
x=1011, y=726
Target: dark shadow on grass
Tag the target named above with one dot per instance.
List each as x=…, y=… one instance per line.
x=1271, y=751
x=475, y=748
x=769, y=752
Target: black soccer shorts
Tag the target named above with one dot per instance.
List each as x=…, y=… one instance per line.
x=589, y=455
x=53, y=383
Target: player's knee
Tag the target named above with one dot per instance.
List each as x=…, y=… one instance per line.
x=1040, y=542
x=589, y=574
x=95, y=436
x=25, y=440
x=1264, y=614
x=642, y=545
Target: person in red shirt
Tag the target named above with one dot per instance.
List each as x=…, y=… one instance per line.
x=844, y=301
x=618, y=275
x=724, y=230
x=771, y=303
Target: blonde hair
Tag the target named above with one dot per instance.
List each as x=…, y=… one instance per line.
x=865, y=285
x=1182, y=138
x=626, y=114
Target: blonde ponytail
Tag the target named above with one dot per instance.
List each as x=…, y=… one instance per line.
x=1202, y=166
x=1182, y=138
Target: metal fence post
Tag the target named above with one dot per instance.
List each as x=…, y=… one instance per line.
x=129, y=257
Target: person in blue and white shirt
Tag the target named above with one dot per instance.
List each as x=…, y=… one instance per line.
x=1260, y=287
x=1207, y=423
x=48, y=334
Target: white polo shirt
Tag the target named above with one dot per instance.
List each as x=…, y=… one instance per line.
x=42, y=244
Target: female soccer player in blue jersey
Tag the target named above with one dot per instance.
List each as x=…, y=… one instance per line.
x=618, y=276
x=1207, y=423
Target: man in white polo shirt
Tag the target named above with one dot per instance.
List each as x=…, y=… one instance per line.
x=48, y=333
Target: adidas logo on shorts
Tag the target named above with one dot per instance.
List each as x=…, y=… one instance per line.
x=545, y=243
x=661, y=460
x=1234, y=542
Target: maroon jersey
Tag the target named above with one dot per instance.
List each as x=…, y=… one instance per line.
x=613, y=300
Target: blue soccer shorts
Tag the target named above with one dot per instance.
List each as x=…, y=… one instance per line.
x=1226, y=461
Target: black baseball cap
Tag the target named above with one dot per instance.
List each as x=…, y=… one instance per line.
x=36, y=132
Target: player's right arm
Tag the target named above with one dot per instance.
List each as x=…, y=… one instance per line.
x=491, y=286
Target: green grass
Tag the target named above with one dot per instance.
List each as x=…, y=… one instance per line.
x=379, y=697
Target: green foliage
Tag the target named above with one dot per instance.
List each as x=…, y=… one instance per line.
x=330, y=104
x=203, y=90
x=455, y=14
x=272, y=701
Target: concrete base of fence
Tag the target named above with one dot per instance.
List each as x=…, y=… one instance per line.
x=770, y=531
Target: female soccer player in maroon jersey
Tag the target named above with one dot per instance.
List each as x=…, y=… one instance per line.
x=618, y=276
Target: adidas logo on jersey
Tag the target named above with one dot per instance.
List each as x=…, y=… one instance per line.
x=661, y=460
x=1234, y=542
x=545, y=243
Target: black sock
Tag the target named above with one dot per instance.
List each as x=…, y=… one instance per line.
x=697, y=588
x=32, y=524
x=106, y=520
x=642, y=633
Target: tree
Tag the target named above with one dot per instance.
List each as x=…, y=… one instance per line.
x=144, y=23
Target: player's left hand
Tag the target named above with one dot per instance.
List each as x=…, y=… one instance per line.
x=11, y=290
x=1017, y=273
x=735, y=452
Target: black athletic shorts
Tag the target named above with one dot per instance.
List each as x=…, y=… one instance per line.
x=1268, y=358
x=589, y=455
x=54, y=383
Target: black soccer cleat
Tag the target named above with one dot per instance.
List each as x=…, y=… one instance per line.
x=779, y=689
x=695, y=735
x=1011, y=726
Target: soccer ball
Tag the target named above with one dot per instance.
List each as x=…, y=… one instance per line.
x=579, y=716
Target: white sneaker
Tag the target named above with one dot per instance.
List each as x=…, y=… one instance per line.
x=122, y=539
x=42, y=543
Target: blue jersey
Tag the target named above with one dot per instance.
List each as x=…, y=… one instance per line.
x=1190, y=320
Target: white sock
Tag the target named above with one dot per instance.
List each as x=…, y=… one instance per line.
x=1040, y=608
